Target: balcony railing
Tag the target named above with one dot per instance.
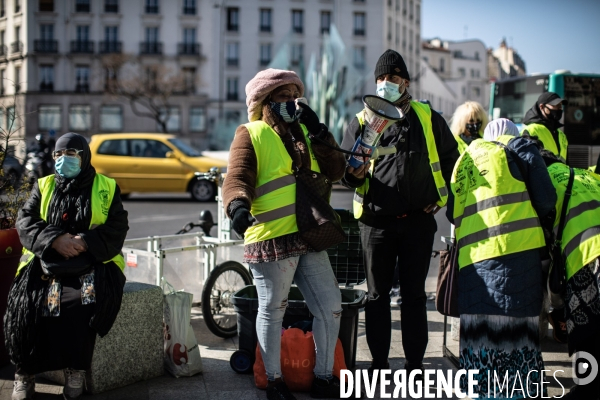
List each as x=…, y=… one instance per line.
x=110, y=47
x=233, y=62
x=82, y=46
x=111, y=8
x=152, y=9
x=16, y=47
x=191, y=49
x=189, y=10
x=151, y=48
x=45, y=46
x=82, y=87
x=47, y=87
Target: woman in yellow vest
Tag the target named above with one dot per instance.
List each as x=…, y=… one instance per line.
x=580, y=245
x=468, y=123
x=500, y=188
x=69, y=284
x=259, y=196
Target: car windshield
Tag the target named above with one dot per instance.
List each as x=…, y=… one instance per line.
x=185, y=148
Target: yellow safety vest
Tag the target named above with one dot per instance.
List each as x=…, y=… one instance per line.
x=492, y=212
x=103, y=191
x=581, y=235
x=274, y=206
x=462, y=145
x=592, y=168
x=424, y=114
x=545, y=136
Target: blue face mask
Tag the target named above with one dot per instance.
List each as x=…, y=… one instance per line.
x=67, y=166
x=287, y=110
x=389, y=91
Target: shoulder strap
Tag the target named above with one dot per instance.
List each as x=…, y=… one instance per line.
x=563, y=211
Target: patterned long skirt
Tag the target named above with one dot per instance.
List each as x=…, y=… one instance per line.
x=506, y=351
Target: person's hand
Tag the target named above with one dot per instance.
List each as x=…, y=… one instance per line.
x=242, y=219
x=360, y=172
x=67, y=247
x=80, y=241
x=309, y=118
x=432, y=208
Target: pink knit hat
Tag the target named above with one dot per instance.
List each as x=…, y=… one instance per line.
x=263, y=84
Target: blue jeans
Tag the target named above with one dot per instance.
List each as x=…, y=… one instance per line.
x=314, y=276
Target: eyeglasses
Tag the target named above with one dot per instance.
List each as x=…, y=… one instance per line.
x=67, y=152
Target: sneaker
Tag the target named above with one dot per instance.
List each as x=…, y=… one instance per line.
x=74, y=382
x=24, y=387
x=559, y=325
x=325, y=388
x=278, y=390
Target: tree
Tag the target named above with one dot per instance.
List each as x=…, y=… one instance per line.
x=147, y=88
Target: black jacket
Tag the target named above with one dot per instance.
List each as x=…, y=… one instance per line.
x=534, y=116
x=403, y=182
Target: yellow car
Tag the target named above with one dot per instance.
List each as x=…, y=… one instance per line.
x=153, y=162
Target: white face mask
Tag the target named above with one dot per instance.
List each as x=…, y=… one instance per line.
x=389, y=90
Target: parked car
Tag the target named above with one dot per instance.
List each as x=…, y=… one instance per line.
x=12, y=169
x=153, y=162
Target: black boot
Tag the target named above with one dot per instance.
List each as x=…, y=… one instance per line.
x=278, y=390
x=325, y=388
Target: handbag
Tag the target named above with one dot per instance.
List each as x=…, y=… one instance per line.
x=557, y=280
x=61, y=268
x=446, y=299
x=318, y=223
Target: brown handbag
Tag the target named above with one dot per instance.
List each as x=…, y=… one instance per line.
x=318, y=223
x=446, y=299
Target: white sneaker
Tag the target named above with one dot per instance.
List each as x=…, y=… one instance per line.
x=74, y=383
x=24, y=387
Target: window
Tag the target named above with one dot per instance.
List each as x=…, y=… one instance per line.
x=83, y=33
x=2, y=81
x=325, y=21
x=426, y=59
x=462, y=72
x=151, y=6
x=148, y=148
x=410, y=9
x=173, y=125
x=46, y=78
x=114, y=147
x=397, y=34
x=359, y=24
x=17, y=6
x=265, y=53
x=47, y=32
x=17, y=33
x=17, y=79
x=442, y=64
x=82, y=79
x=111, y=6
x=359, y=57
x=152, y=34
x=111, y=120
x=111, y=33
x=233, y=19
x=12, y=122
x=472, y=73
x=82, y=6
x=464, y=91
x=297, y=53
x=2, y=9
x=189, y=79
x=233, y=54
x=232, y=89
x=476, y=91
x=46, y=5
x=49, y=118
x=189, y=35
x=418, y=15
x=410, y=40
x=80, y=118
x=265, y=20
x=477, y=55
x=110, y=78
x=151, y=46
x=389, y=30
x=197, y=119
x=297, y=21
x=404, y=7
x=189, y=7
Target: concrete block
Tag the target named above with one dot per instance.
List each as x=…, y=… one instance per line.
x=133, y=349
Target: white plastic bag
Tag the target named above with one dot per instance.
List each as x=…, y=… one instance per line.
x=182, y=354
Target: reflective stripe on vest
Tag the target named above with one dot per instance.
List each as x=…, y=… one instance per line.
x=492, y=209
x=424, y=114
x=103, y=191
x=462, y=145
x=274, y=206
x=581, y=235
x=545, y=136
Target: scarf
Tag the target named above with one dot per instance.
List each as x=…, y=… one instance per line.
x=403, y=102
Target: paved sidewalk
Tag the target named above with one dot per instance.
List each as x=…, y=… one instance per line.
x=219, y=381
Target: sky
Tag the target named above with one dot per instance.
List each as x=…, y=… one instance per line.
x=548, y=35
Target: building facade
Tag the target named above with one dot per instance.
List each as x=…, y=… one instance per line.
x=55, y=55
x=505, y=62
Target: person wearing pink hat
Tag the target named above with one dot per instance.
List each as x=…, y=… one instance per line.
x=259, y=196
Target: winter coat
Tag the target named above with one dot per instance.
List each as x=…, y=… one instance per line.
x=534, y=116
x=510, y=285
x=403, y=182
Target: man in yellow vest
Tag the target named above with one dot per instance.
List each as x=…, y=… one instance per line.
x=396, y=198
x=543, y=122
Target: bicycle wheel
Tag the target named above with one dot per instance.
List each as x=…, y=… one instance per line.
x=217, y=308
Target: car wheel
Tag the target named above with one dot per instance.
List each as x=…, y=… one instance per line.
x=203, y=190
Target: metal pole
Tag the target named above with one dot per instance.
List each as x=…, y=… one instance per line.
x=221, y=57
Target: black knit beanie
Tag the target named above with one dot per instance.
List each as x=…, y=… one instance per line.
x=391, y=62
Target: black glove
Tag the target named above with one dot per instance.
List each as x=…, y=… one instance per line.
x=241, y=220
x=309, y=118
